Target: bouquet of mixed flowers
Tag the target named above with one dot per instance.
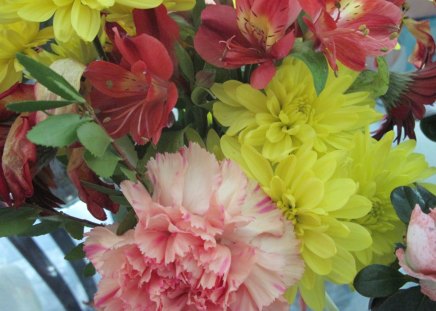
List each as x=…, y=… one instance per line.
x=226, y=145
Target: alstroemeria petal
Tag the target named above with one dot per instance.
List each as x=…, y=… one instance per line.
x=115, y=81
x=261, y=76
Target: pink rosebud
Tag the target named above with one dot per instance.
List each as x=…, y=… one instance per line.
x=419, y=258
x=207, y=239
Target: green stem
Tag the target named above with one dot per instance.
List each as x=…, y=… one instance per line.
x=330, y=305
x=87, y=223
x=99, y=48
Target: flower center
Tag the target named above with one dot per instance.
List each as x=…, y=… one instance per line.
x=380, y=217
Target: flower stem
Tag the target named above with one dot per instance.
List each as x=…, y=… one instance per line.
x=86, y=223
x=99, y=48
x=330, y=305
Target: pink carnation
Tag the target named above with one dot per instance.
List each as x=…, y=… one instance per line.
x=208, y=239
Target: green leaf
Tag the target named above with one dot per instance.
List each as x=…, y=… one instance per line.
x=15, y=221
x=186, y=29
x=127, y=223
x=171, y=141
x=89, y=270
x=185, y=63
x=374, y=82
x=213, y=144
x=404, y=200
x=103, y=166
x=30, y=106
x=74, y=228
x=199, y=97
x=99, y=188
x=94, y=138
x=127, y=150
x=428, y=127
x=76, y=253
x=315, y=61
x=200, y=5
x=130, y=175
x=121, y=200
x=410, y=299
x=50, y=79
x=193, y=136
x=379, y=281
x=41, y=228
x=57, y=131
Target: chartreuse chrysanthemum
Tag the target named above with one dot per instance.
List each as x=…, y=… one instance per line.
x=76, y=49
x=312, y=192
x=82, y=17
x=379, y=168
x=18, y=37
x=290, y=113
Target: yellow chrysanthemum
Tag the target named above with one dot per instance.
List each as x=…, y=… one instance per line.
x=80, y=16
x=289, y=112
x=76, y=49
x=379, y=168
x=18, y=37
x=179, y=5
x=312, y=192
x=7, y=12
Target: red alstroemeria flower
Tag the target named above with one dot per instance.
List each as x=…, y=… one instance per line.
x=157, y=23
x=257, y=32
x=425, y=44
x=406, y=99
x=351, y=30
x=78, y=171
x=136, y=96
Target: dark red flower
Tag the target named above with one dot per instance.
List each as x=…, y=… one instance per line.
x=157, y=23
x=256, y=32
x=136, y=96
x=351, y=30
x=78, y=172
x=405, y=101
x=18, y=161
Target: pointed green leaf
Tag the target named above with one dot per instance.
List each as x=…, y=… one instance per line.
x=57, y=131
x=50, y=79
x=315, y=61
x=131, y=175
x=103, y=166
x=193, y=136
x=94, y=138
x=127, y=150
x=127, y=223
x=30, y=106
x=374, y=82
x=41, y=228
x=76, y=253
x=74, y=228
x=89, y=270
x=15, y=221
x=185, y=63
x=99, y=188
